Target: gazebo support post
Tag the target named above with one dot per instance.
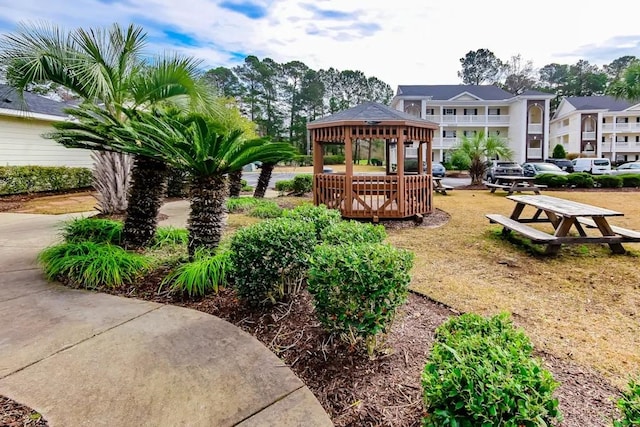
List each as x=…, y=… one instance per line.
x=348, y=173
x=401, y=194
x=420, y=159
x=318, y=167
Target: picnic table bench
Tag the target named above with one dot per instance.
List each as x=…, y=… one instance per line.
x=514, y=184
x=564, y=215
x=439, y=187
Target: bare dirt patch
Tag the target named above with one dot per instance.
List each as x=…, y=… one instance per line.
x=49, y=203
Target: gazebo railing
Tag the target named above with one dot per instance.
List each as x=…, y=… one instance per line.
x=371, y=196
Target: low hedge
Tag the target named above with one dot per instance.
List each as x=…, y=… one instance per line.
x=34, y=179
x=630, y=179
x=608, y=181
x=551, y=180
x=481, y=372
x=319, y=216
x=580, y=180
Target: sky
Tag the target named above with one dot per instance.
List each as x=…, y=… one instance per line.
x=402, y=42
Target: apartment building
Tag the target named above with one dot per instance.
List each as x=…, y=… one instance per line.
x=597, y=126
x=521, y=120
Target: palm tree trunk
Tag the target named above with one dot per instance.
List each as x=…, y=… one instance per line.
x=111, y=175
x=207, y=218
x=263, y=180
x=235, y=183
x=145, y=198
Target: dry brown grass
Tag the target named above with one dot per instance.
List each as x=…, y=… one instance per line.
x=581, y=305
x=60, y=204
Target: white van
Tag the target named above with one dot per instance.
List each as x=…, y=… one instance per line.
x=592, y=165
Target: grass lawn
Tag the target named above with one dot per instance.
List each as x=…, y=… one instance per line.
x=581, y=305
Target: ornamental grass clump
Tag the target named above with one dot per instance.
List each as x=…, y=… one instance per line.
x=481, y=372
x=266, y=209
x=94, y=230
x=242, y=204
x=170, y=236
x=319, y=216
x=92, y=265
x=358, y=288
x=353, y=232
x=207, y=273
x=270, y=259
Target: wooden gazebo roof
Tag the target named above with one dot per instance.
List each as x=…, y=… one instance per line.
x=370, y=120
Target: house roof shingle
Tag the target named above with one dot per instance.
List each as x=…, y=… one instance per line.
x=531, y=92
x=446, y=92
x=599, y=103
x=370, y=112
x=10, y=100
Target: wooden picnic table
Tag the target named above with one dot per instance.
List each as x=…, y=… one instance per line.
x=514, y=184
x=439, y=187
x=564, y=215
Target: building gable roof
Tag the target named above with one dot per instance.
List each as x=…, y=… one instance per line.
x=32, y=103
x=372, y=112
x=447, y=92
x=531, y=92
x=599, y=103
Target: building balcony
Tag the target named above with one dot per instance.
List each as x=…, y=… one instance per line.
x=621, y=127
x=588, y=136
x=535, y=128
x=469, y=120
x=534, y=153
x=446, y=143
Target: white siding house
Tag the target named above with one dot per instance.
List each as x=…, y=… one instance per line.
x=21, y=129
x=522, y=120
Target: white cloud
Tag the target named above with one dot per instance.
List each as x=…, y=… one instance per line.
x=399, y=41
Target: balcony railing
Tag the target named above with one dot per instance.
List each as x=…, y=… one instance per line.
x=629, y=127
x=588, y=136
x=444, y=142
x=469, y=120
x=534, y=153
x=535, y=128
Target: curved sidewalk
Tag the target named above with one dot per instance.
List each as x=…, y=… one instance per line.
x=89, y=359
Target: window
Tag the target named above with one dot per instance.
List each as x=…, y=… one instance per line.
x=494, y=111
x=449, y=111
x=449, y=133
x=604, y=120
x=637, y=119
x=430, y=112
x=637, y=138
x=470, y=111
x=622, y=139
x=469, y=133
x=622, y=119
x=603, y=139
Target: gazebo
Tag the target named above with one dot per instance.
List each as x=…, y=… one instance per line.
x=404, y=191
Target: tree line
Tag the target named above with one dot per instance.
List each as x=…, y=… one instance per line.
x=280, y=98
x=517, y=75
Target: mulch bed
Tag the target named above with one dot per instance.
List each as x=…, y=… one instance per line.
x=385, y=391
x=13, y=414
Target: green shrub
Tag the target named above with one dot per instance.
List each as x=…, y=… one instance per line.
x=33, y=179
x=303, y=160
x=266, y=209
x=559, y=152
x=242, y=204
x=355, y=232
x=270, y=259
x=580, y=180
x=608, y=181
x=177, y=183
x=319, y=216
x=337, y=159
x=302, y=184
x=551, y=180
x=629, y=406
x=284, y=185
x=94, y=230
x=630, y=180
x=480, y=372
x=376, y=162
x=206, y=273
x=92, y=265
x=357, y=288
x=460, y=160
x=169, y=236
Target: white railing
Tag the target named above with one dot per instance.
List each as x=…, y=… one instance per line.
x=588, y=136
x=622, y=143
x=478, y=119
x=610, y=127
x=534, y=153
x=535, y=127
x=606, y=146
x=445, y=142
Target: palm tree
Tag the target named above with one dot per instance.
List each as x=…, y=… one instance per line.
x=107, y=67
x=628, y=87
x=480, y=147
x=235, y=183
x=192, y=142
x=263, y=179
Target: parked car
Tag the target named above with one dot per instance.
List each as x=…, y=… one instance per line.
x=502, y=167
x=438, y=170
x=592, y=165
x=564, y=164
x=537, y=168
x=631, y=167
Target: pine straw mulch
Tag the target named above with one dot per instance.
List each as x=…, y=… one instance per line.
x=385, y=391
x=13, y=414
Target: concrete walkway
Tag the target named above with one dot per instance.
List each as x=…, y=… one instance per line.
x=89, y=359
